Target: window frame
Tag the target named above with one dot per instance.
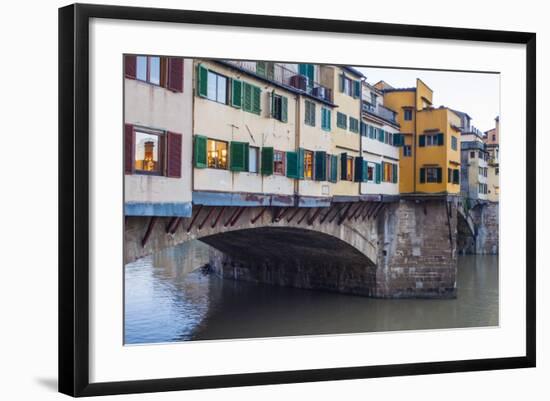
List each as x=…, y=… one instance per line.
x=147, y=79
x=349, y=168
x=435, y=177
x=408, y=111
x=207, y=154
x=311, y=105
x=256, y=150
x=227, y=89
x=282, y=154
x=161, y=134
x=312, y=155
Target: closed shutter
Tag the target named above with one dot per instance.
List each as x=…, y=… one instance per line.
x=357, y=89
x=365, y=177
x=334, y=168
x=422, y=175
x=173, y=151
x=378, y=172
x=130, y=67
x=456, y=176
x=175, y=74
x=439, y=174
x=292, y=165
x=440, y=139
x=320, y=166
x=342, y=83
x=202, y=84
x=394, y=173
x=237, y=156
x=256, y=93
x=267, y=161
x=260, y=68
x=343, y=166
x=200, y=151
x=358, y=169
x=422, y=140
x=247, y=96
x=449, y=175
x=301, y=155
x=284, y=109
x=363, y=129
x=381, y=135
x=236, y=93
x=128, y=148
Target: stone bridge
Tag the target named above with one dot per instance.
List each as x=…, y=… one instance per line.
x=393, y=249
x=478, y=227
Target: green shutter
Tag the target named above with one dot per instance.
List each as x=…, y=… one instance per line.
x=440, y=141
x=236, y=93
x=394, y=173
x=301, y=163
x=272, y=102
x=292, y=165
x=320, y=166
x=342, y=83
x=365, y=177
x=357, y=89
x=202, y=84
x=247, y=95
x=237, y=156
x=377, y=173
x=380, y=134
x=439, y=174
x=358, y=169
x=267, y=161
x=247, y=157
x=456, y=176
x=260, y=68
x=333, y=168
x=256, y=97
x=449, y=175
x=284, y=109
x=325, y=119
x=422, y=175
x=200, y=151
x=422, y=140
x=343, y=166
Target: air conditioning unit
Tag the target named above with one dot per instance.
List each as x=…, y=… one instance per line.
x=320, y=92
x=299, y=82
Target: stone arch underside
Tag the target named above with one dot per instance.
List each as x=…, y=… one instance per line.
x=295, y=257
x=466, y=238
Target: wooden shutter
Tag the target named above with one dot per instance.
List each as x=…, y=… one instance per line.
x=394, y=173
x=439, y=174
x=365, y=177
x=380, y=134
x=440, y=140
x=301, y=154
x=130, y=67
x=320, y=166
x=267, y=161
x=449, y=174
x=174, y=145
x=422, y=140
x=356, y=89
x=200, y=151
x=292, y=165
x=129, y=146
x=236, y=93
x=378, y=173
x=422, y=175
x=256, y=98
x=342, y=86
x=237, y=156
x=260, y=68
x=358, y=169
x=202, y=77
x=456, y=176
x=284, y=109
x=343, y=166
x=175, y=74
x=334, y=168
x=247, y=96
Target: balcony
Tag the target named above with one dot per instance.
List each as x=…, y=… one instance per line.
x=380, y=111
x=285, y=75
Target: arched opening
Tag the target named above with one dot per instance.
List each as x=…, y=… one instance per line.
x=292, y=257
x=466, y=239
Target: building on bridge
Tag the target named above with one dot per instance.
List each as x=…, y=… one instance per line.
x=431, y=137
x=492, y=140
x=158, y=100
x=380, y=142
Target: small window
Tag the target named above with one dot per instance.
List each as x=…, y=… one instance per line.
x=432, y=174
x=370, y=172
x=349, y=169
x=407, y=151
x=326, y=116
x=253, y=157
x=373, y=97
x=496, y=170
x=354, y=125
x=148, y=69
x=217, y=87
x=278, y=162
x=341, y=120
x=308, y=164
x=279, y=108
x=480, y=154
x=217, y=154
x=310, y=113
x=407, y=114
x=472, y=155
x=454, y=143
x=494, y=137
x=148, y=153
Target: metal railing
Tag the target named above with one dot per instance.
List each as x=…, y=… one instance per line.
x=380, y=111
x=285, y=75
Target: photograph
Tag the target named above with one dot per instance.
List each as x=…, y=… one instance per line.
x=267, y=198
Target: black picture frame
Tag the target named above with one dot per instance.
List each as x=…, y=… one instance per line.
x=74, y=202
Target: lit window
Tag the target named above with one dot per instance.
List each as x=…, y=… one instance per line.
x=253, y=158
x=278, y=162
x=349, y=169
x=148, y=153
x=217, y=87
x=308, y=164
x=217, y=154
x=148, y=69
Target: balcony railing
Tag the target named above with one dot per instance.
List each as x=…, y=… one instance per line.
x=285, y=75
x=380, y=111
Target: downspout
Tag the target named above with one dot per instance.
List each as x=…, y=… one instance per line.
x=415, y=135
x=297, y=137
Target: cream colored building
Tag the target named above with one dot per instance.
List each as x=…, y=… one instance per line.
x=158, y=99
x=380, y=141
x=492, y=142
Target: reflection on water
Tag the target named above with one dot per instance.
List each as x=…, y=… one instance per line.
x=167, y=299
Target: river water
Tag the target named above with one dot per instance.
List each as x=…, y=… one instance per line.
x=167, y=299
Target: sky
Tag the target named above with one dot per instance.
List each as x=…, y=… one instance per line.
x=477, y=94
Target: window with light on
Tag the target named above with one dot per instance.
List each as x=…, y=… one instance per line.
x=217, y=154
x=147, y=153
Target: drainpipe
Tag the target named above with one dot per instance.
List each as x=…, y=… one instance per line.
x=414, y=136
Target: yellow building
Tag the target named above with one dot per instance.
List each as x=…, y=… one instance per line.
x=492, y=140
x=430, y=155
x=345, y=84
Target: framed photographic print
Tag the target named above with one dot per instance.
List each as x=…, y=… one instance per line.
x=249, y=199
